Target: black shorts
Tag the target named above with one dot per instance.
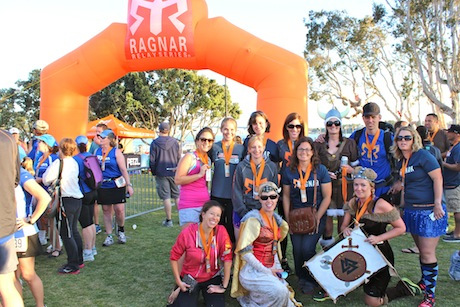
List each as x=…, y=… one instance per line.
x=87, y=209
x=111, y=196
x=34, y=247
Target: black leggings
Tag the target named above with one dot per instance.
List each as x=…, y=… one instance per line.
x=69, y=231
x=87, y=209
x=187, y=299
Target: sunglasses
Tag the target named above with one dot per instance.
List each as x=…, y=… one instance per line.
x=206, y=140
x=100, y=136
x=265, y=197
x=333, y=123
x=405, y=138
x=291, y=126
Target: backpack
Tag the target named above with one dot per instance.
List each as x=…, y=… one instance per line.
x=92, y=170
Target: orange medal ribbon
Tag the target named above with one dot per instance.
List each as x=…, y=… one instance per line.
x=206, y=242
x=228, y=150
x=104, y=156
x=403, y=169
x=273, y=226
x=344, y=185
x=257, y=175
x=362, y=209
x=370, y=146
x=203, y=158
x=431, y=137
x=303, y=179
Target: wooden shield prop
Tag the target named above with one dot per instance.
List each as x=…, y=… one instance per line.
x=346, y=265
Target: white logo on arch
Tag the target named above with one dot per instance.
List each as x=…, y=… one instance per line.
x=156, y=14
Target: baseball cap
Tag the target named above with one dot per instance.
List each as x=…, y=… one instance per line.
x=41, y=125
x=371, y=108
x=14, y=130
x=81, y=139
x=48, y=139
x=454, y=129
x=164, y=126
x=106, y=133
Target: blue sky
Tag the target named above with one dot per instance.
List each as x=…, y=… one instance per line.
x=36, y=33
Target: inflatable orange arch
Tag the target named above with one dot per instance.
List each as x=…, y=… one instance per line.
x=278, y=76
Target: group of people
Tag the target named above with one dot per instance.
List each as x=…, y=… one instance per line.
x=35, y=175
x=366, y=179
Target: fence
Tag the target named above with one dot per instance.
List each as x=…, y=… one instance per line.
x=145, y=198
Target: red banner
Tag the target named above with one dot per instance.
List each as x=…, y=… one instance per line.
x=159, y=28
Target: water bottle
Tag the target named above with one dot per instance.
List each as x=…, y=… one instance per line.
x=343, y=161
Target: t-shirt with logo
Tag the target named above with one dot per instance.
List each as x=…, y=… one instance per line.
x=452, y=178
x=221, y=185
x=292, y=179
x=24, y=206
x=377, y=160
x=418, y=185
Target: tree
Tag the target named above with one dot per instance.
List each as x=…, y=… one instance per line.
x=352, y=62
x=20, y=107
x=192, y=101
x=430, y=35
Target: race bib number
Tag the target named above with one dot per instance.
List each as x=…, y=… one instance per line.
x=20, y=244
x=227, y=170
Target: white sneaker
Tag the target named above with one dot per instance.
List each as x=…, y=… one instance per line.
x=168, y=223
x=121, y=237
x=42, y=237
x=88, y=255
x=108, y=241
x=94, y=251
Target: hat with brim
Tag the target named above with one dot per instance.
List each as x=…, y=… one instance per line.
x=454, y=129
x=106, y=133
x=81, y=139
x=371, y=109
x=48, y=139
x=14, y=130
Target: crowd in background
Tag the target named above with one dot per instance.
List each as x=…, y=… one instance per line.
x=239, y=202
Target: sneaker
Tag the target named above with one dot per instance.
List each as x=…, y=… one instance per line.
x=43, y=241
x=121, y=238
x=108, y=241
x=49, y=249
x=321, y=296
x=98, y=229
x=415, y=288
x=94, y=251
x=68, y=270
x=167, y=223
x=285, y=266
x=81, y=265
x=450, y=239
x=428, y=301
x=88, y=255
x=454, y=269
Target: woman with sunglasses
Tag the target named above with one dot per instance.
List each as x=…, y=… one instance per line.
x=337, y=153
x=306, y=183
x=226, y=155
x=258, y=124
x=112, y=193
x=424, y=212
x=193, y=174
x=255, y=169
x=293, y=129
x=257, y=274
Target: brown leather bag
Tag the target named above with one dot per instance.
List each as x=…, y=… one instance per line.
x=303, y=220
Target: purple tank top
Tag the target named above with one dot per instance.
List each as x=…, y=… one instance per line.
x=194, y=194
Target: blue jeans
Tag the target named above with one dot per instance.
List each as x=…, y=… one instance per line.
x=304, y=248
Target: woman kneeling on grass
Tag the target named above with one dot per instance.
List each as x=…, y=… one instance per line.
x=258, y=276
x=375, y=215
x=205, y=245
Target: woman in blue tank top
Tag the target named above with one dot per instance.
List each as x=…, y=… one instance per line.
x=115, y=186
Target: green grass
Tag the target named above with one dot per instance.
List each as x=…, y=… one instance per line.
x=138, y=273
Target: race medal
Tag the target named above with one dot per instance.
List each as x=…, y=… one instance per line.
x=208, y=266
x=208, y=175
x=20, y=244
x=103, y=166
x=303, y=195
x=227, y=170
x=255, y=192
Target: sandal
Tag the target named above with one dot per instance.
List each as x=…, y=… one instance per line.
x=410, y=250
x=55, y=254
